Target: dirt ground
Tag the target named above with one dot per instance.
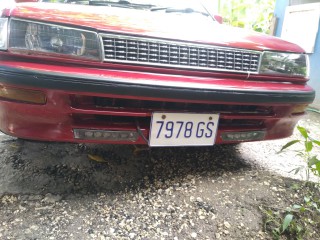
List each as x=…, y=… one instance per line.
x=56, y=191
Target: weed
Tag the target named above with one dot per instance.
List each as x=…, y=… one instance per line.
x=313, y=162
x=295, y=222
x=299, y=220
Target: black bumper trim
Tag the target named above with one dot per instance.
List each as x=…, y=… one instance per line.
x=75, y=83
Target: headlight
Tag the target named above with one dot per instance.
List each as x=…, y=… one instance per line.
x=289, y=64
x=28, y=37
x=3, y=33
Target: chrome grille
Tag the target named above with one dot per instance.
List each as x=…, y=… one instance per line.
x=146, y=51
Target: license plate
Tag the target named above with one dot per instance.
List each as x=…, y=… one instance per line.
x=183, y=129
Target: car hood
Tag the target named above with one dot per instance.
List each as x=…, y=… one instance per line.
x=185, y=27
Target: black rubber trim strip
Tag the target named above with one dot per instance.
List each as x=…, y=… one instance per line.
x=29, y=78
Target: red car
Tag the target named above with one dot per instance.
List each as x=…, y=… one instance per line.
x=162, y=73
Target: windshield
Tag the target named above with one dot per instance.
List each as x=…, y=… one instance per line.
x=168, y=6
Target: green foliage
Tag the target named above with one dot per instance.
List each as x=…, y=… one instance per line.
x=250, y=14
x=297, y=221
x=286, y=222
x=280, y=226
x=289, y=144
x=313, y=162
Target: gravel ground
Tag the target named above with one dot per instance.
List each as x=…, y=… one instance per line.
x=56, y=191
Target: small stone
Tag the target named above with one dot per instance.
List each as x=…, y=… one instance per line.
x=226, y=224
x=22, y=208
x=218, y=235
x=8, y=199
x=194, y=235
x=132, y=235
x=122, y=224
x=43, y=208
x=165, y=234
x=50, y=198
x=34, y=227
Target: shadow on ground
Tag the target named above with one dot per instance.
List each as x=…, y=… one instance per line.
x=59, y=168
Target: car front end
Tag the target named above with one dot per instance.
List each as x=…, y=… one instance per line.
x=138, y=73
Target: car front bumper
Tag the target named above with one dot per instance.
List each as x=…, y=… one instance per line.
x=71, y=93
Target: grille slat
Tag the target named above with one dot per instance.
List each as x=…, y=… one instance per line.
x=145, y=51
x=148, y=105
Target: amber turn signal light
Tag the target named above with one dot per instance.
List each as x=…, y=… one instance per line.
x=22, y=95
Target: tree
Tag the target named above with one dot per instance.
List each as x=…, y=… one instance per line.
x=249, y=14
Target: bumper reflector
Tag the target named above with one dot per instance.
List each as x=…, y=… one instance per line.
x=105, y=135
x=22, y=95
x=243, y=136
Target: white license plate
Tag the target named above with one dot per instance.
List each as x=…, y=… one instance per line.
x=183, y=129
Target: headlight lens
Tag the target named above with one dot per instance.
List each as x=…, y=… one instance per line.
x=290, y=64
x=52, y=39
x=3, y=33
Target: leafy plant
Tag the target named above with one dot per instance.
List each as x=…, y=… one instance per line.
x=243, y=13
x=313, y=162
x=274, y=219
x=297, y=221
